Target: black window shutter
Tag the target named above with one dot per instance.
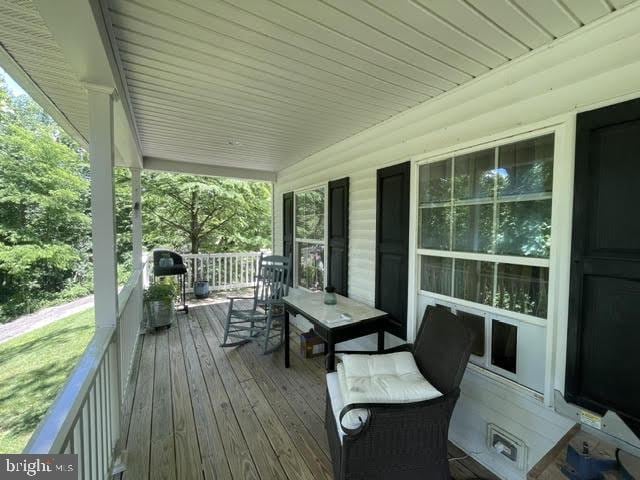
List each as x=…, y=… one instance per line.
x=604, y=300
x=338, y=238
x=287, y=230
x=392, y=245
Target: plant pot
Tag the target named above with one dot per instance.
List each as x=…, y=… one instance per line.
x=201, y=289
x=161, y=313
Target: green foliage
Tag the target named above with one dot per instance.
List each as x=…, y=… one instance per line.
x=194, y=213
x=44, y=208
x=45, y=223
x=310, y=214
x=161, y=291
x=124, y=214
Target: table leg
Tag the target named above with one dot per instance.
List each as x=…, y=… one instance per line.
x=380, y=340
x=331, y=357
x=286, y=339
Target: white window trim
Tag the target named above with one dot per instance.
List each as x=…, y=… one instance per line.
x=323, y=241
x=560, y=251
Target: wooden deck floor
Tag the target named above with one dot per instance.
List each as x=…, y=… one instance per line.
x=200, y=411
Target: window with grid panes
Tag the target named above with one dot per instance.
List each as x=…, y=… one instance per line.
x=310, y=239
x=485, y=226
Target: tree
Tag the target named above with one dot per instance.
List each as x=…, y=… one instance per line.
x=194, y=213
x=44, y=207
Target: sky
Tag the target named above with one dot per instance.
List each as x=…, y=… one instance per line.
x=14, y=88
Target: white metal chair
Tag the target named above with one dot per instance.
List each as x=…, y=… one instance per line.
x=261, y=317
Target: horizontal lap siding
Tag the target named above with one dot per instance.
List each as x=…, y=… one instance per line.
x=598, y=66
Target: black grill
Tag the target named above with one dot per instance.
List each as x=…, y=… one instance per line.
x=167, y=263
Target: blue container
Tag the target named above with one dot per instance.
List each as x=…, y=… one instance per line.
x=201, y=289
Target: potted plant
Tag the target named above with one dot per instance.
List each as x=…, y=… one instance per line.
x=201, y=288
x=159, y=299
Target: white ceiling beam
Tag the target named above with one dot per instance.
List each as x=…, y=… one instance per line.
x=192, y=168
x=84, y=36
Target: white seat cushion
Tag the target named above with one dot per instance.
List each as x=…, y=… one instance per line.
x=392, y=378
x=387, y=378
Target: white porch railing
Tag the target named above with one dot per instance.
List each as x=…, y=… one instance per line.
x=85, y=417
x=223, y=271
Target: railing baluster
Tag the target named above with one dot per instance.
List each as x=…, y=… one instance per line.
x=100, y=408
x=104, y=409
x=93, y=431
x=72, y=440
x=99, y=447
x=81, y=447
x=86, y=441
x=110, y=376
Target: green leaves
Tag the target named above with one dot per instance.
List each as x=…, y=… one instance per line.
x=45, y=226
x=24, y=259
x=204, y=214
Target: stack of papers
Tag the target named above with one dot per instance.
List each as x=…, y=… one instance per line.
x=343, y=318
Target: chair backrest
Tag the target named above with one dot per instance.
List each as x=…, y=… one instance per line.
x=442, y=348
x=273, y=279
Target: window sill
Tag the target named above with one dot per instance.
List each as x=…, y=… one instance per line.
x=505, y=383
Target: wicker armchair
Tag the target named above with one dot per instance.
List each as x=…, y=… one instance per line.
x=406, y=440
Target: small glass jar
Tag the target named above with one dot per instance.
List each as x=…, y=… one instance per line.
x=330, y=296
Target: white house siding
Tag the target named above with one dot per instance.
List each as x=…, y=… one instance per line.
x=596, y=66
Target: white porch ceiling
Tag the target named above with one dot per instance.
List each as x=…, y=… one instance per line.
x=287, y=78
x=261, y=84
x=29, y=53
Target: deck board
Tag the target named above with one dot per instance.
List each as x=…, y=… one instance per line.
x=200, y=411
x=139, y=439
x=214, y=460
x=187, y=449
x=163, y=457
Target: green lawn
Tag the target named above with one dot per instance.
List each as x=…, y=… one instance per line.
x=33, y=369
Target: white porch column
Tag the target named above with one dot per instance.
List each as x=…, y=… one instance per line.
x=136, y=223
x=101, y=152
x=103, y=228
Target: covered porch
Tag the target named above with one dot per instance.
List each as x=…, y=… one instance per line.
x=328, y=101
x=196, y=410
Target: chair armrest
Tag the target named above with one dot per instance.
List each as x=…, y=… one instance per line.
x=232, y=299
x=427, y=413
